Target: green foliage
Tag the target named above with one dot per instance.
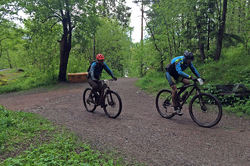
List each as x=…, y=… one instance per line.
x=35, y=49
x=153, y=82
x=63, y=150
x=18, y=129
x=71, y=23
x=38, y=142
x=175, y=26
x=111, y=40
x=17, y=81
x=232, y=68
x=10, y=45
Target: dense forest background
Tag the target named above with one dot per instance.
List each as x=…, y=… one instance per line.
x=62, y=36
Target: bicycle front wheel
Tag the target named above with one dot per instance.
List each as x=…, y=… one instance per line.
x=88, y=103
x=205, y=110
x=113, y=104
x=163, y=104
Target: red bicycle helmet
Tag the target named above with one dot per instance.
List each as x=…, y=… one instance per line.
x=100, y=57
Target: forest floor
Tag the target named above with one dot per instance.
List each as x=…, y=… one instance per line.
x=139, y=133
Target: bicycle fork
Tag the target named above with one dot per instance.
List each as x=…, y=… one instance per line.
x=202, y=104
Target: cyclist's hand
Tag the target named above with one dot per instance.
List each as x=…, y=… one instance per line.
x=114, y=78
x=203, y=79
x=192, y=78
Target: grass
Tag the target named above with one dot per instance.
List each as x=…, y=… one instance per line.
x=8, y=76
x=12, y=80
x=28, y=139
x=153, y=82
x=232, y=68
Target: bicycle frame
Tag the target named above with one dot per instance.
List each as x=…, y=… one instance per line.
x=184, y=88
x=105, y=88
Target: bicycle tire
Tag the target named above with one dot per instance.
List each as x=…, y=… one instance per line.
x=166, y=104
x=212, y=101
x=112, y=103
x=85, y=102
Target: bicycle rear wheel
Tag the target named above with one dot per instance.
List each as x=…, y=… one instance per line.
x=205, y=110
x=89, y=105
x=163, y=104
x=113, y=104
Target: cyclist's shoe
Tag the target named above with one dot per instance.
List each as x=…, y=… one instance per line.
x=178, y=111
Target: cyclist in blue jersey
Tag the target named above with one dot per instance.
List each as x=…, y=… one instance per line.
x=175, y=69
x=95, y=72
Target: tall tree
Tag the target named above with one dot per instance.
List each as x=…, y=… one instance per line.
x=67, y=13
x=222, y=23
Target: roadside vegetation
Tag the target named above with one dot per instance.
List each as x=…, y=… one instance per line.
x=28, y=139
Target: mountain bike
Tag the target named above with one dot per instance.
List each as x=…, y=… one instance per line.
x=204, y=109
x=109, y=100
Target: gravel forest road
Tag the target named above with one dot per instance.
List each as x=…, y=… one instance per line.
x=139, y=133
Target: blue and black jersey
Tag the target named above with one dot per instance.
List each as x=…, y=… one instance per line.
x=178, y=65
x=96, y=70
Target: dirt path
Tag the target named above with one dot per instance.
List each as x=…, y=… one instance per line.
x=139, y=132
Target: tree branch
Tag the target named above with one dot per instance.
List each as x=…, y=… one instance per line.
x=53, y=16
x=54, y=24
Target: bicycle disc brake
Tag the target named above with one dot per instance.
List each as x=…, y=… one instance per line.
x=166, y=103
x=204, y=108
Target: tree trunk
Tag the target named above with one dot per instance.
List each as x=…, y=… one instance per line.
x=208, y=34
x=202, y=52
x=65, y=43
x=65, y=47
x=161, y=64
x=173, y=37
x=188, y=34
x=170, y=47
x=221, y=31
x=200, y=41
x=64, y=56
x=8, y=57
x=156, y=47
x=94, y=54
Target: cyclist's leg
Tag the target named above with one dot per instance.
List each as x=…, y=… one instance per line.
x=185, y=81
x=94, y=86
x=174, y=89
x=100, y=90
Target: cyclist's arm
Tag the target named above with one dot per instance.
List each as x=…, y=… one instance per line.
x=91, y=71
x=107, y=69
x=180, y=72
x=194, y=70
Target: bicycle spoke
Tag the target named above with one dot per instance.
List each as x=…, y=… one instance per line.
x=113, y=104
x=89, y=100
x=163, y=104
x=205, y=110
